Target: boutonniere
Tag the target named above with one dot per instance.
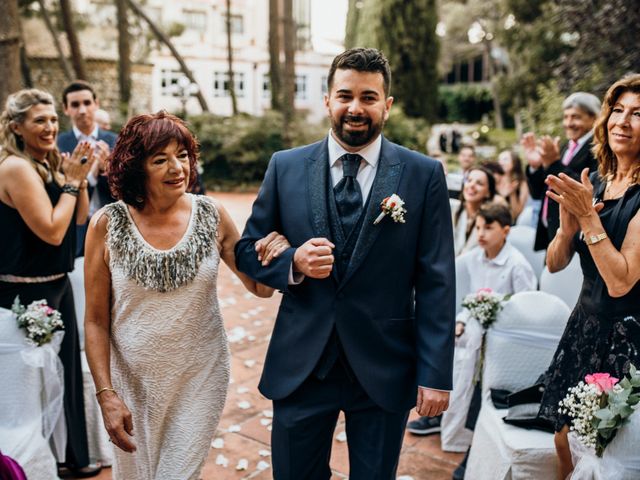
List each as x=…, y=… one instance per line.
x=393, y=206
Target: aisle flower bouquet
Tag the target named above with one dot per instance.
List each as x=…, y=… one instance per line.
x=484, y=305
x=600, y=405
x=38, y=319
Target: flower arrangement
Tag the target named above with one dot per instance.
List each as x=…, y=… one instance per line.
x=484, y=305
x=393, y=206
x=600, y=405
x=38, y=319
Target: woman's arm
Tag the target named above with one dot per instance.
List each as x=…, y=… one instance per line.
x=97, y=321
x=620, y=270
x=82, y=210
x=519, y=199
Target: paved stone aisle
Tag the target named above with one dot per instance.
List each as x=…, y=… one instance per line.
x=240, y=448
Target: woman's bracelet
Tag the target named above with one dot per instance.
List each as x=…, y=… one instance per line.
x=105, y=389
x=70, y=189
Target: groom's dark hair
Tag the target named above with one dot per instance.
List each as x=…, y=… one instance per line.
x=362, y=60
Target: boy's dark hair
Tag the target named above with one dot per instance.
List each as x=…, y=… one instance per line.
x=496, y=212
x=362, y=60
x=77, y=86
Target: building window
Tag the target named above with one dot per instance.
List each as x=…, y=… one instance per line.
x=169, y=78
x=195, y=20
x=221, y=84
x=266, y=86
x=301, y=87
x=237, y=23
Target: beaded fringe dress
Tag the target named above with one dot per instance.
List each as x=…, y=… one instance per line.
x=169, y=350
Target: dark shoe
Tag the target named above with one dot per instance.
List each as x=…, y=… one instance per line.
x=458, y=473
x=425, y=425
x=91, y=470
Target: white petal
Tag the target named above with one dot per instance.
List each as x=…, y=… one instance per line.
x=243, y=464
x=217, y=443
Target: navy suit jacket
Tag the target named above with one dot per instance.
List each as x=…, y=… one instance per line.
x=581, y=159
x=67, y=142
x=394, y=306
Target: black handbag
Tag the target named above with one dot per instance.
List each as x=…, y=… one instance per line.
x=523, y=407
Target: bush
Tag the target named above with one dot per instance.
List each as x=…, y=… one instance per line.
x=409, y=132
x=235, y=151
x=466, y=103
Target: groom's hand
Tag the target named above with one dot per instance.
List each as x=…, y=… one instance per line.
x=314, y=258
x=431, y=403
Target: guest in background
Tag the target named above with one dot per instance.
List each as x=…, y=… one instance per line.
x=512, y=185
x=479, y=188
x=39, y=206
x=80, y=105
x=599, y=220
x=545, y=157
x=103, y=119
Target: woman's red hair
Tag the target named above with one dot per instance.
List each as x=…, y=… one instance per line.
x=142, y=137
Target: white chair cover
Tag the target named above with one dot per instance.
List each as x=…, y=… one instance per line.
x=520, y=345
x=565, y=284
x=526, y=216
x=454, y=436
x=504, y=452
x=29, y=376
x=523, y=238
x=621, y=459
x=77, y=285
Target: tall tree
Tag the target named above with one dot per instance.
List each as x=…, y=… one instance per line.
x=353, y=21
x=64, y=64
x=74, y=45
x=289, y=68
x=9, y=50
x=124, y=56
x=413, y=51
x=164, y=38
x=232, y=84
x=275, y=70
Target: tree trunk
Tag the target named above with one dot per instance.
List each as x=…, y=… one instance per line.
x=289, y=69
x=74, y=45
x=24, y=61
x=64, y=64
x=497, y=109
x=232, y=85
x=164, y=38
x=124, y=55
x=9, y=50
x=275, y=70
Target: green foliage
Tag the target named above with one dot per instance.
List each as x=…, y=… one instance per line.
x=235, y=151
x=464, y=102
x=544, y=116
x=409, y=132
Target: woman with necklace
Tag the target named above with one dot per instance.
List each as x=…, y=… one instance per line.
x=599, y=219
x=39, y=205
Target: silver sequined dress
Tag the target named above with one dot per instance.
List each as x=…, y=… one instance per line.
x=169, y=351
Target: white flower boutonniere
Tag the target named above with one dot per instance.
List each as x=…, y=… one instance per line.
x=393, y=206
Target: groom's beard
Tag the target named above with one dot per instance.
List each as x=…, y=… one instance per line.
x=359, y=137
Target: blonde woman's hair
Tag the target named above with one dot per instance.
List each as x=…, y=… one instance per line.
x=15, y=112
x=607, y=161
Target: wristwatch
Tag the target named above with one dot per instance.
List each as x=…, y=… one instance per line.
x=593, y=239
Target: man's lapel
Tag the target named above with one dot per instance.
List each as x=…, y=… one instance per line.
x=384, y=185
x=317, y=171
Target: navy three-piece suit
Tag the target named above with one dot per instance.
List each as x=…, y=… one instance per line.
x=389, y=300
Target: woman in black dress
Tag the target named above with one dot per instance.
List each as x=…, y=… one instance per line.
x=599, y=219
x=38, y=207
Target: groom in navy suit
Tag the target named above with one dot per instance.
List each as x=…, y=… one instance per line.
x=366, y=322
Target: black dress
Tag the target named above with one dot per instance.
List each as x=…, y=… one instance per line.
x=24, y=254
x=602, y=333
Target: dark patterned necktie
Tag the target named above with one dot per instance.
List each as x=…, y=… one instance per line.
x=348, y=194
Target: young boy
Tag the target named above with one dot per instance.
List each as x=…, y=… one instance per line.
x=494, y=264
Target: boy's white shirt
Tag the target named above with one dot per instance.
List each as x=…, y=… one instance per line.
x=508, y=273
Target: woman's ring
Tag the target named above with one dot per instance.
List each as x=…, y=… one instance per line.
x=83, y=160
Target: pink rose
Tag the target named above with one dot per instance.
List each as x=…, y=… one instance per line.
x=603, y=381
x=485, y=290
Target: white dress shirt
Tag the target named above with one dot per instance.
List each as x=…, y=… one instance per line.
x=508, y=273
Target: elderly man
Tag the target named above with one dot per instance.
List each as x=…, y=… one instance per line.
x=545, y=157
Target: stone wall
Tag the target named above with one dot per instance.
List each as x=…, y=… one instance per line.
x=47, y=74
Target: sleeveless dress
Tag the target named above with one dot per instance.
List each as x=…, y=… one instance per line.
x=169, y=351
x=602, y=333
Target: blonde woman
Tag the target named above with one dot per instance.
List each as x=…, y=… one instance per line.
x=39, y=205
